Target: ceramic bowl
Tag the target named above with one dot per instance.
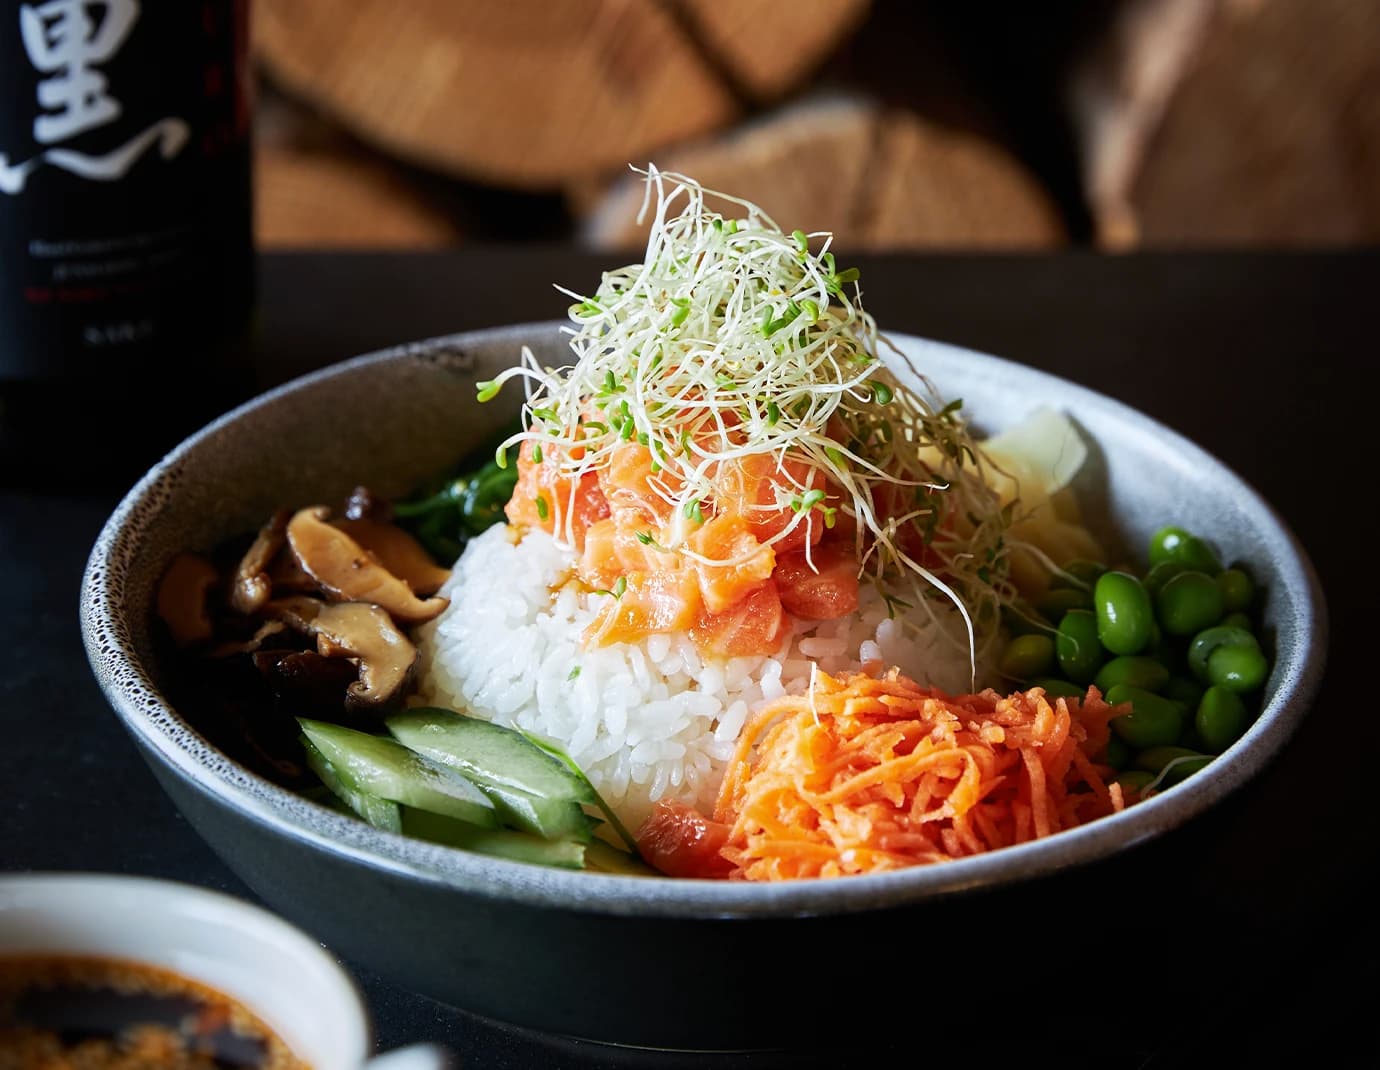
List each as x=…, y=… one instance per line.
x=655, y=963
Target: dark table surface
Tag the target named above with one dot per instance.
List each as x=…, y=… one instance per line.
x=1263, y=359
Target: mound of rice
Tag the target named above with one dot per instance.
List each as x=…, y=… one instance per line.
x=644, y=720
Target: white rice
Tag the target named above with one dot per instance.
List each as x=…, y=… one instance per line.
x=644, y=720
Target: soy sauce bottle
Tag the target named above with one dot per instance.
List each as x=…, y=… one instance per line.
x=126, y=249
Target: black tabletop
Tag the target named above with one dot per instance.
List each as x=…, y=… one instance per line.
x=1263, y=359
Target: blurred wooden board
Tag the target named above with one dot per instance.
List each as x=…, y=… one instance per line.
x=1218, y=122
x=530, y=94
x=876, y=178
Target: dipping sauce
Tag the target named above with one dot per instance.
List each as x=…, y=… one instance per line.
x=76, y=1013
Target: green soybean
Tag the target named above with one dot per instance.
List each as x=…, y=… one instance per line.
x=1077, y=647
x=1023, y=619
x=1175, y=763
x=1160, y=574
x=1237, y=589
x=1189, y=603
x=1238, y=668
x=1176, y=544
x=1028, y=656
x=1236, y=620
x=1135, y=670
x=1057, y=601
x=1153, y=721
x=1182, y=689
x=1125, y=618
x=1164, y=544
x=1054, y=688
x=1134, y=781
x=1221, y=718
x=1117, y=754
x=1210, y=641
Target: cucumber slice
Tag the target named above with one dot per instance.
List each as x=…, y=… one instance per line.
x=551, y=819
x=379, y=766
x=487, y=753
x=602, y=857
x=381, y=813
x=499, y=843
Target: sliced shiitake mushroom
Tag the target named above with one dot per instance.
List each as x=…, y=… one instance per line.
x=182, y=598
x=364, y=504
x=398, y=552
x=267, y=630
x=357, y=630
x=252, y=586
x=346, y=572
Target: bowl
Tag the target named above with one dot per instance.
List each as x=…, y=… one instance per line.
x=666, y=964
x=286, y=979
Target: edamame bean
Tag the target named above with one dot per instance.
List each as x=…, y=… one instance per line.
x=1125, y=619
x=1077, y=646
x=1237, y=620
x=1161, y=574
x=1137, y=671
x=1164, y=544
x=1238, y=668
x=1152, y=722
x=1028, y=656
x=1117, y=754
x=1189, y=603
x=1134, y=781
x=1059, y=688
x=1175, y=763
x=1176, y=544
x=1023, y=619
x=1057, y=601
x=1221, y=718
x=1210, y=641
x=1182, y=689
x=1237, y=590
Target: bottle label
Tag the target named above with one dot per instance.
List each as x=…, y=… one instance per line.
x=124, y=180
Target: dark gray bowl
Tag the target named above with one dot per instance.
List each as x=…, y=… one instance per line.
x=654, y=963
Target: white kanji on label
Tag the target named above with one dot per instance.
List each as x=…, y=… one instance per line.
x=67, y=39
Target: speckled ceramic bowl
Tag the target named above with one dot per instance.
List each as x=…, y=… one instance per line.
x=658, y=963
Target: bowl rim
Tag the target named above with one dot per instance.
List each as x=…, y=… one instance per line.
x=110, y=650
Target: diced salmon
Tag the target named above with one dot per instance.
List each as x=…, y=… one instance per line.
x=747, y=487
x=748, y=564
x=599, y=565
x=543, y=496
x=825, y=592
x=626, y=483
x=756, y=625
x=682, y=842
x=667, y=601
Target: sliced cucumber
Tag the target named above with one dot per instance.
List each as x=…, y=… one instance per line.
x=499, y=843
x=488, y=754
x=603, y=857
x=551, y=819
x=381, y=813
x=376, y=765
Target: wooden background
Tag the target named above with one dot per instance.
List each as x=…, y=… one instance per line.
x=898, y=124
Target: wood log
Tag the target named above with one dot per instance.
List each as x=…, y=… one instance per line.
x=1222, y=122
x=876, y=178
x=314, y=188
x=767, y=48
x=525, y=93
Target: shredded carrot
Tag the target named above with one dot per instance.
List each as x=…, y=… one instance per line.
x=865, y=774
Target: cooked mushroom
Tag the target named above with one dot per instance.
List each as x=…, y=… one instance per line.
x=359, y=631
x=345, y=572
x=252, y=586
x=266, y=630
x=364, y=504
x=182, y=596
x=398, y=552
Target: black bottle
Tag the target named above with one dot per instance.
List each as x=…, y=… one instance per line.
x=126, y=249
